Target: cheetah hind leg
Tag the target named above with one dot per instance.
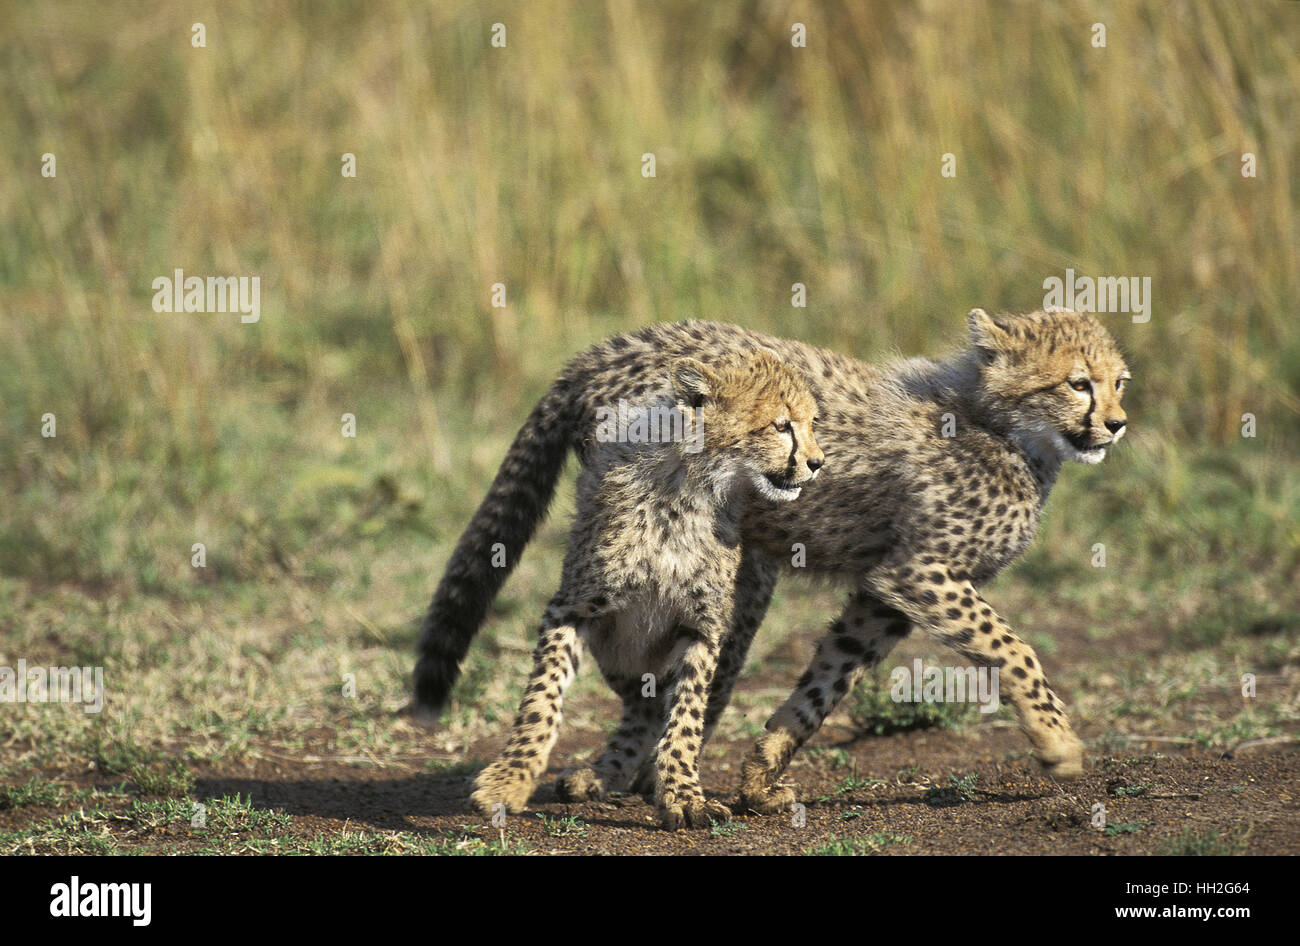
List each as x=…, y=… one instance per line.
x=581, y=783
x=644, y=782
x=585, y=783
x=629, y=757
x=761, y=789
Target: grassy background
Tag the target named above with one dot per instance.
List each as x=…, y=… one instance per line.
x=522, y=165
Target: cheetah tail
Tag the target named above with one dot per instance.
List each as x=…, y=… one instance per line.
x=516, y=502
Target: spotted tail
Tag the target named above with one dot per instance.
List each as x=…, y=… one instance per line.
x=515, y=504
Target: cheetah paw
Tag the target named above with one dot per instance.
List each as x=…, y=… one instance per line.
x=769, y=800
x=1064, y=760
x=1066, y=768
x=693, y=811
x=501, y=785
x=580, y=783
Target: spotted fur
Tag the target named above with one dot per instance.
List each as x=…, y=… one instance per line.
x=913, y=520
x=650, y=579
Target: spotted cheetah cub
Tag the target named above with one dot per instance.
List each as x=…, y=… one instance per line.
x=650, y=576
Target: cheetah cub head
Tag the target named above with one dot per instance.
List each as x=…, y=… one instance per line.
x=1054, y=379
x=754, y=417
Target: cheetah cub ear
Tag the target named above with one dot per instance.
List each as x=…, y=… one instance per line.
x=988, y=334
x=692, y=382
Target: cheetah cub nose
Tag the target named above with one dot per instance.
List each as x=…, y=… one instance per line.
x=815, y=465
x=1115, y=426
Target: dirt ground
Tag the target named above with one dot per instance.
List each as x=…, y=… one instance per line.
x=1013, y=809
x=906, y=793
x=975, y=789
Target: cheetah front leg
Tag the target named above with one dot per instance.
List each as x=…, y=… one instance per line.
x=953, y=611
x=678, y=793
x=859, y=638
x=510, y=780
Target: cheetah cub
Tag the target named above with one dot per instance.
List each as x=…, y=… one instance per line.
x=650, y=575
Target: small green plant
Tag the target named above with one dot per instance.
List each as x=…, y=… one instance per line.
x=159, y=814
x=1131, y=791
x=957, y=790
x=852, y=783
x=568, y=826
x=1207, y=843
x=35, y=791
x=726, y=829
x=857, y=847
x=173, y=781
x=236, y=813
x=874, y=710
x=114, y=758
x=909, y=773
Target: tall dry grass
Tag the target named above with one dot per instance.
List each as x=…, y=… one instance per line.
x=522, y=166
